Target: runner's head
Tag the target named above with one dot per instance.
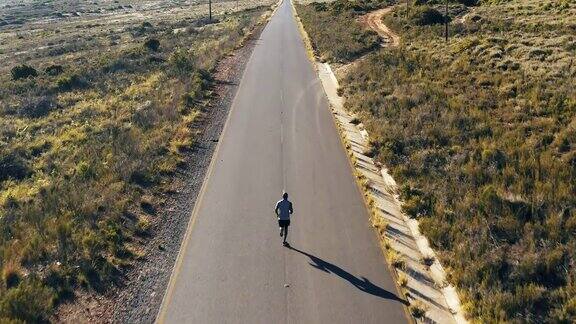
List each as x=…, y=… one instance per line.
x=285, y=195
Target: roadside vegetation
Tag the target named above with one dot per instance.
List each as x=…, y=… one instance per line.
x=481, y=133
x=88, y=135
x=344, y=40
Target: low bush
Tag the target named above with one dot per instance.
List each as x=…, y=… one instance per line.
x=469, y=2
x=181, y=62
x=54, y=70
x=402, y=279
x=417, y=310
x=147, y=206
x=152, y=44
x=23, y=72
x=13, y=166
x=37, y=107
x=61, y=280
x=425, y=15
x=30, y=302
x=142, y=227
x=71, y=82
x=10, y=276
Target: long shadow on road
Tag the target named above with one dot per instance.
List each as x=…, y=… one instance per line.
x=361, y=283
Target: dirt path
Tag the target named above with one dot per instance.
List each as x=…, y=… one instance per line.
x=373, y=20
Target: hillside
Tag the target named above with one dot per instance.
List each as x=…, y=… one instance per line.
x=481, y=134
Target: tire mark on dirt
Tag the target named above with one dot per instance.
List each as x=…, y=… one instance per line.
x=373, y=20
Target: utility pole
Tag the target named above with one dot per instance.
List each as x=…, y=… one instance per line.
x=210, y=10
x=446, y=21
x=407, y=8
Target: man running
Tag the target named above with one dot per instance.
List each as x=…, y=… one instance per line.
x=283, y=211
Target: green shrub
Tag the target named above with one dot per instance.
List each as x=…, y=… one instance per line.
x=30, y=302
x=320, y=6
x=152, y=44
x=424, y=16
x=469, y=2
x=416, y=203
x=143, y=178
x=13, y=166
x=37, y=107
x=60, y=279
x=200, y=81
x=148, y=206
x=54, y=70
x=417, y=310
x=34, y=250
x=71, y=82
x=85, y=170
x=181, y=62
x=10, y=276
x=146, y=115
x=142, y=227
x=23, y=72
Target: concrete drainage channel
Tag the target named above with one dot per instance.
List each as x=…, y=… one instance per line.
x=419, y=274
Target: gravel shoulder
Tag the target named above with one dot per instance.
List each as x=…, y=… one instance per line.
x=139, y=296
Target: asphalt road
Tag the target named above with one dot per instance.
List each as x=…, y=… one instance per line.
x=280, y=136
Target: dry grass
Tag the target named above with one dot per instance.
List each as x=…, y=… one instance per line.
x=395, y=259
x=482, y=133
x=31, y=31
x=88, y=140
x=417, y=310
x=328, y=43
x=402, y=279
x=516, y=35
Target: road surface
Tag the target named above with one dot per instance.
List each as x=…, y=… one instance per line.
x=280, y=136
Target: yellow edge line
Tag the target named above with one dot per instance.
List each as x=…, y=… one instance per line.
x=179, y=259
x=361, y=191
